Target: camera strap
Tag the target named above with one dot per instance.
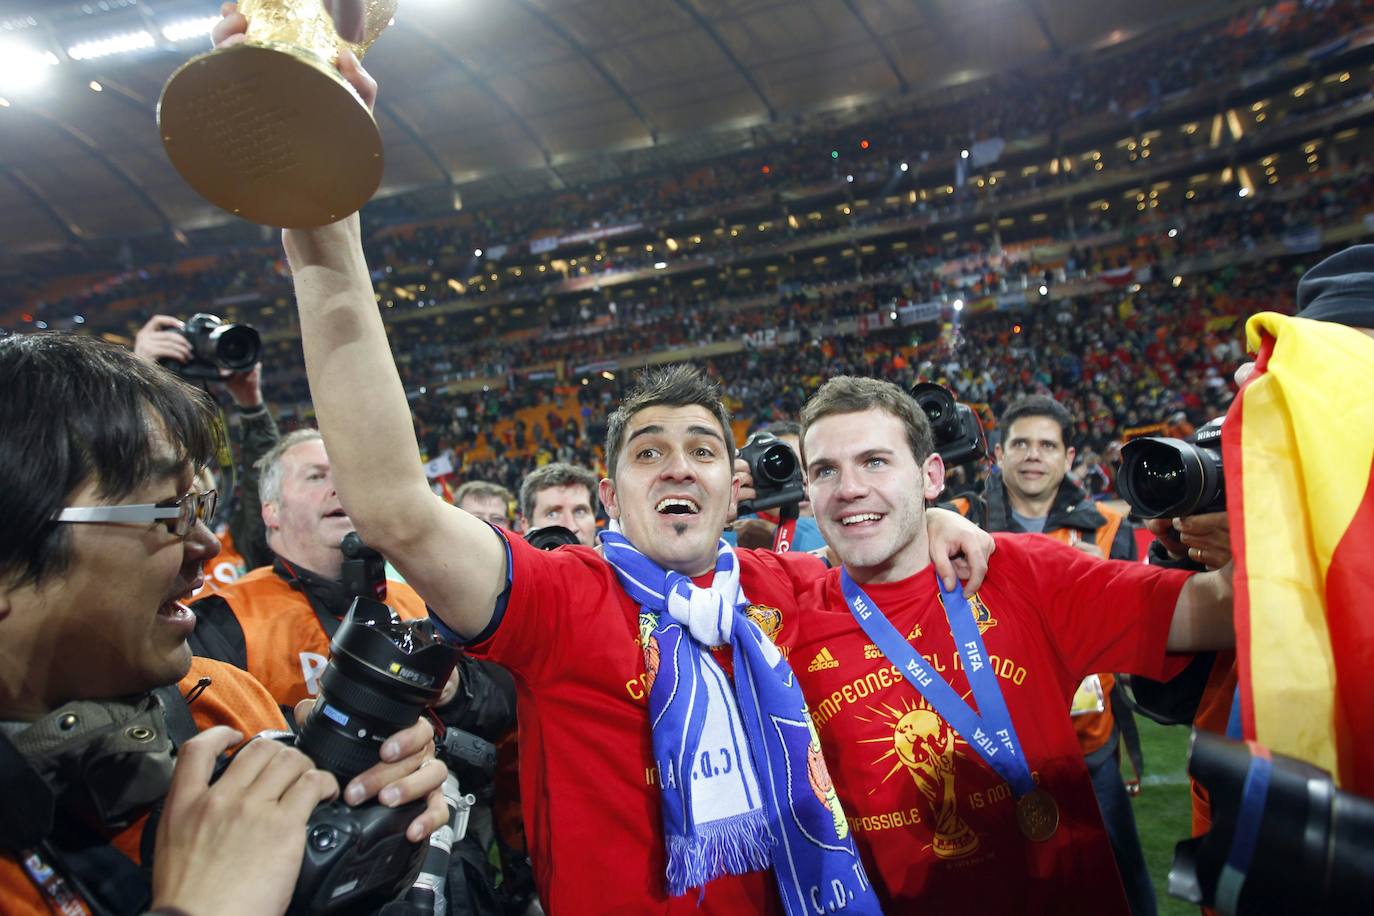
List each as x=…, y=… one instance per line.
x=322, y=595
x=1245, y=837
x=786, y=533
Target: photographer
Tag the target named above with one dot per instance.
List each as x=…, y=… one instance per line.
x=277, y=622
x=560, y=494
x=761, y=529
x=104, y=536
x=162, y=339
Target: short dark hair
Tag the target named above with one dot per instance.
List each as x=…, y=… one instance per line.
x=1037, y=405
x=850, y=394
x=678, y=385
x=782, y=428
x=555, y=474
x=77, y=409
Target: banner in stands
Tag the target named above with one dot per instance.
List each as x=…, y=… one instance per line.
x=769, y=338
x=1302, y=241
x=918, y=313
x=551, y=242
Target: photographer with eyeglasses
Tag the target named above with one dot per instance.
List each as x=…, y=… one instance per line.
x=100, y=698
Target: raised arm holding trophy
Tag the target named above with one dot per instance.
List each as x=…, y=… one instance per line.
x=266, y=128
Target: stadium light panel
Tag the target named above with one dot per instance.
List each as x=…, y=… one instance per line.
x=123, y=43
x=23, y=67
x=185, y=29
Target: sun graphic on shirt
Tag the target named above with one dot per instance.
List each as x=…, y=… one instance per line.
x=916, y=726
x=924, y=745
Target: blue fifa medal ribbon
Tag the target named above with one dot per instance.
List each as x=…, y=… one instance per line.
x=990, y=731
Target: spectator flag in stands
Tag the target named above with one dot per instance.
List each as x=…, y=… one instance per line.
x=1298, y=447
x=441, y=466
x=1118, y=276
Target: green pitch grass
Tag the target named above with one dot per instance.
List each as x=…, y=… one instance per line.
x=1162, y=812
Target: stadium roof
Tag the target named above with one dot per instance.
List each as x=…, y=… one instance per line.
x=504, y=98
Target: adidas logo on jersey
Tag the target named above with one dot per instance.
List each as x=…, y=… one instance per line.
x=822, y=661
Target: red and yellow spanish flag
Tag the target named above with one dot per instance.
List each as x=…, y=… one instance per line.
x=1298, y=448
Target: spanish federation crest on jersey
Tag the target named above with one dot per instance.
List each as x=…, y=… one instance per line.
x=769, y=619
x=982, y=615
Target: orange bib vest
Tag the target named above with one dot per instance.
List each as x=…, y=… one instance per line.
x=287, y=647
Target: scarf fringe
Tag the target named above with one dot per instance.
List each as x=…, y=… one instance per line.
x=733, y=846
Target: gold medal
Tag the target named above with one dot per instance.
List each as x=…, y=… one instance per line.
x=1037, y=815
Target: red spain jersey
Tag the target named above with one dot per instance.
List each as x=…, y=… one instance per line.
x=570, y=635
x=936, y=826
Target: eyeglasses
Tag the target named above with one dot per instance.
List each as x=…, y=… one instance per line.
x=180, y=516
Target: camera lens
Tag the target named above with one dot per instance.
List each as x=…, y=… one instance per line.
x=1167, y=477
x=938, y=405
x=236, y=346
x=382, y=673
x=778, y=463
x=551, y=537
x=1159, y=477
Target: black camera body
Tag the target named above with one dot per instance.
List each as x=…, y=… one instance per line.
x=958, y=433
x=382, y=673
x=216, y=347
x=1163, y=477
x=1311, y=845
x=356, y=854
x=550, y=537
x=777, y=473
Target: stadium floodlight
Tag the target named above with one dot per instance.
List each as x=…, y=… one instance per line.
x=184, y=29
x=23, y=67
x=122, y=43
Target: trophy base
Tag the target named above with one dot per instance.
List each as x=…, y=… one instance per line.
x=271, y=134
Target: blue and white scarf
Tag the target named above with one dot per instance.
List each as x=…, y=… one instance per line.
x=743, y=781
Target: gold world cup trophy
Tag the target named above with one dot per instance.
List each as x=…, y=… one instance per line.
x=268, y=130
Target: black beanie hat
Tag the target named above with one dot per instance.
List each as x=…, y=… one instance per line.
x=1340, y=289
